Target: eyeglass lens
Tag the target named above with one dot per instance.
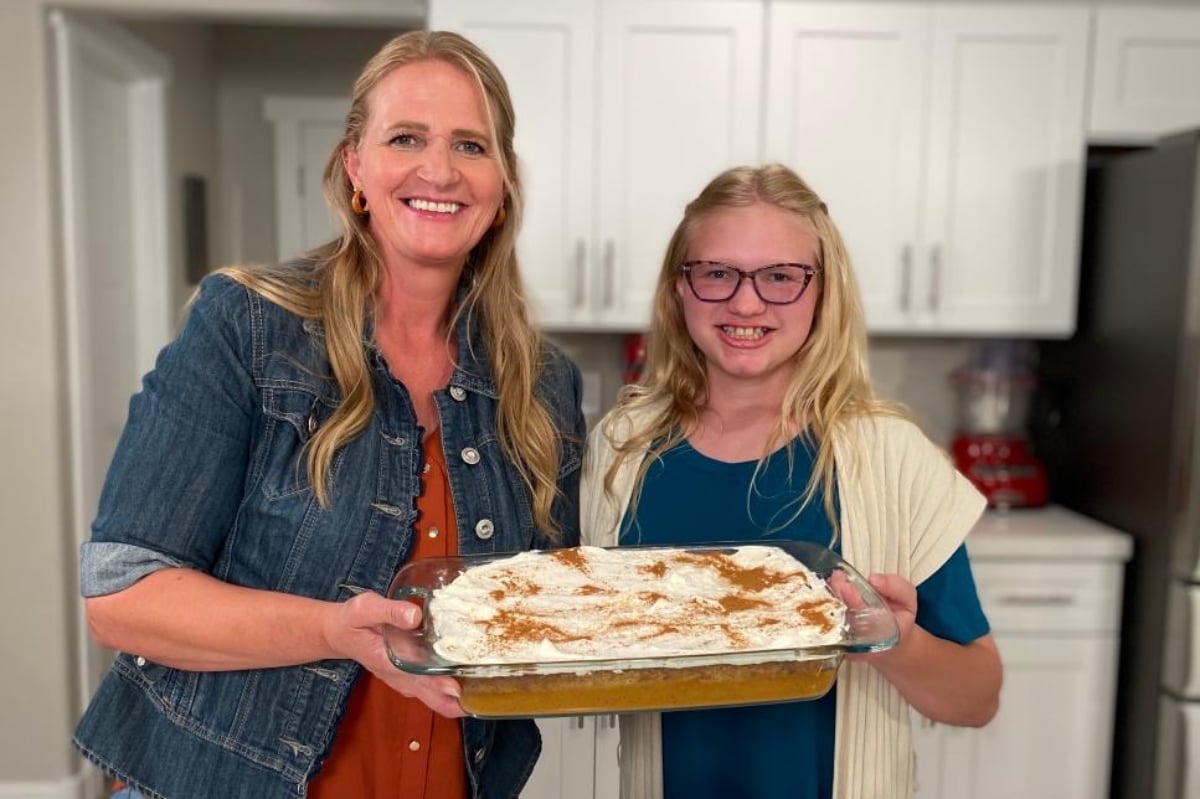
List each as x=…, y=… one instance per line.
x=778, y=284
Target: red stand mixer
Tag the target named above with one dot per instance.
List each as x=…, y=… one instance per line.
x=994, y=390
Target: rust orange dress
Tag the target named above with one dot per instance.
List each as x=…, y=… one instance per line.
x=387, y=744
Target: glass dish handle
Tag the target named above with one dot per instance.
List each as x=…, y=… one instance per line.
x=409, y=649
x=871, y=626
x=409, y=593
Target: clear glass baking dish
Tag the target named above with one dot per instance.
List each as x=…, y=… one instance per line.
x=719, y=678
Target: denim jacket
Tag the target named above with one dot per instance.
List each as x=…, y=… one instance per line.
x=210, y=474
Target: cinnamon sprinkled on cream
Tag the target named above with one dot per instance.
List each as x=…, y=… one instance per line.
x=655, y=569
x=592, y=603
x=571, y=557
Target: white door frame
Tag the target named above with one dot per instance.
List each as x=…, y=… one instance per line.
x=145, y=74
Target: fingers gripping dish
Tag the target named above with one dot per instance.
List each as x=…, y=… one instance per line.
x=599, y=630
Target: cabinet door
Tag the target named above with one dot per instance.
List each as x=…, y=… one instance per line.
x=844, y=108
x=1006, y=159
x=1144, y=76
x=1052, y=736
x=607, y=782
x=564, y=770
x=547, y=54
x=680, y=88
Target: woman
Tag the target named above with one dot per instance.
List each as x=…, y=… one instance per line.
x=315, y=426
x=756, y=419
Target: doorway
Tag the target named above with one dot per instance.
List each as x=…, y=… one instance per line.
x=148, y=107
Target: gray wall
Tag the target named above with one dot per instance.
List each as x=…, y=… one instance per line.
x=255, y=62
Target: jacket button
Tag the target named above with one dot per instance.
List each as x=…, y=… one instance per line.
x=484, y=529
x=479, y=753
x=458, y=393
x=470, y=455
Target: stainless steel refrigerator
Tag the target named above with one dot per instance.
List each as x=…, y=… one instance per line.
x=1117, y=423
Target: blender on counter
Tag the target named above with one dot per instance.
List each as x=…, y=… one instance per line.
x=994, y=390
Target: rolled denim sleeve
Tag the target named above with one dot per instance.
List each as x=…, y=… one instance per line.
x=106, y=568
x=179, y=470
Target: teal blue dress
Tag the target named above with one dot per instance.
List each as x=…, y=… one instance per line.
x=785, y=749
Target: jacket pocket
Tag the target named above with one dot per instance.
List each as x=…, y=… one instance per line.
x=293, y=414
x=168, y=687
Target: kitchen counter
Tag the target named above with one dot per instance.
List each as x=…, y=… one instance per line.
x=1051, y=532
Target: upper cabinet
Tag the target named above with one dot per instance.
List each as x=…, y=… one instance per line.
x=1146, y=74
x=948, y=142
x=625, y=109
x=947, y=139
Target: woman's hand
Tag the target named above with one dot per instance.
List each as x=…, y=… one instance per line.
x=190, y=620
x=355, y=629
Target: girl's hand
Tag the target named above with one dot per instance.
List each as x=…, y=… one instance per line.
x=945, y=681
x=898, y=594
x=901, y=598
x=356, y=630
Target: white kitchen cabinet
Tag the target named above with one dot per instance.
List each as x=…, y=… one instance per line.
x=578, y=760
x=625, y=109
x=1056, y=623
x=606, y=770
x=1145, y=72
x=948, y=143
x=1050, y=738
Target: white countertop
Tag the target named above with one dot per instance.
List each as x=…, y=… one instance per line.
x=1049, y=532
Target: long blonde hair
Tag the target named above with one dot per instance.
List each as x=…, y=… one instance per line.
x=339, y=289
x=830, y=380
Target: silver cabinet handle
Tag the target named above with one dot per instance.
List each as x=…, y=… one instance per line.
x=905, y=277
x=1035, y=600
x=609, y=259
x=577, y=289
x=577, y=722
x=935, y=275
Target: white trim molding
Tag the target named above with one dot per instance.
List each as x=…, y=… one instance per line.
x=74, y=786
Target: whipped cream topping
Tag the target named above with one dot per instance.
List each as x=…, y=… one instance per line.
x=590, y=603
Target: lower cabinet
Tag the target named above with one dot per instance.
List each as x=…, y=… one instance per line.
x=1051, y=737
x=579, y=759
x=1056, y=627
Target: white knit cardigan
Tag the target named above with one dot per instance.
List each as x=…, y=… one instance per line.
x=904, y=509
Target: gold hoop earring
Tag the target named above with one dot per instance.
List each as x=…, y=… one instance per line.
x=358, y=203
x=501, y=215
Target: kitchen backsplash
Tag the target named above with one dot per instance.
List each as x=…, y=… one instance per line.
x=914, y=371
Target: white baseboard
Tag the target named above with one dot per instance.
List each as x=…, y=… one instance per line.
x=86, y=784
